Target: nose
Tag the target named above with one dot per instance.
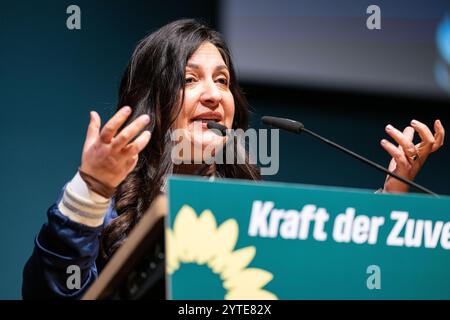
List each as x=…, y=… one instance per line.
x=211, y=95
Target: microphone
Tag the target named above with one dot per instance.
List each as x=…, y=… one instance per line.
x=217, y=126
x=298, y=127
x=285, y=124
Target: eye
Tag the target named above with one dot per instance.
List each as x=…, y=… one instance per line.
x=223, y=81
x=189, y=80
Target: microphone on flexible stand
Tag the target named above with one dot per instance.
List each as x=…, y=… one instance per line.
x=298, y=127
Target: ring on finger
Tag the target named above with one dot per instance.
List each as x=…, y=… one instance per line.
x=414, y=157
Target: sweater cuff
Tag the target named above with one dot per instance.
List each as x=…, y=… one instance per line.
x=82, y=205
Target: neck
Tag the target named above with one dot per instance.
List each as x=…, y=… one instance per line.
x=193, y=169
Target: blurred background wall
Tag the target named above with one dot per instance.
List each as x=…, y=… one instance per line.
x=51, y=77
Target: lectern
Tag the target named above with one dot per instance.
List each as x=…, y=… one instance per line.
x=137, y=269
x=231, y=239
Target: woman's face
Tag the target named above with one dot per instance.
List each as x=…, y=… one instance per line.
x=207, y=96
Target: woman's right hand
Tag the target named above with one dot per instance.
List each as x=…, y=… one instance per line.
x=109, y=156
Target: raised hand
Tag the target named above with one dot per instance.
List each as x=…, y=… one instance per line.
x=408, y=158
x=108, y=155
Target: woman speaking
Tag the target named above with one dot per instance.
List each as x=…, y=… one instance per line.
x=178, y=76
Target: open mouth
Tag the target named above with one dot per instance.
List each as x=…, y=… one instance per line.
x=204, y=118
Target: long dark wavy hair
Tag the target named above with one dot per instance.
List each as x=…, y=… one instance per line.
x=152, y=84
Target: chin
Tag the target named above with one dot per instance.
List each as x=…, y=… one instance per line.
x=206, y=138
x=202, y=145
x=206, y=144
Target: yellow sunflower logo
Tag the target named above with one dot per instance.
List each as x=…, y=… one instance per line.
x=200, y=241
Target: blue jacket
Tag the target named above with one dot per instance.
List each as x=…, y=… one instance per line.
x=60, y=243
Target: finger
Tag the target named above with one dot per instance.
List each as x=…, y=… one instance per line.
x=404, y=141
x=111, y=127
x=130, y=131
x=131, y=163
x=138, y=145
x=94, y=126
x=438, y=136
x=408, y=132
x=424, y=133
x=397, y=154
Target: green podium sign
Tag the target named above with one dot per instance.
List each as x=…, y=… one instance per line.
x=232, y=239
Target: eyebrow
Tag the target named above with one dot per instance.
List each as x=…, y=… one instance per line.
x=196, y=66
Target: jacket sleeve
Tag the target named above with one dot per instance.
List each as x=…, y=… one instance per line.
x=63, y=262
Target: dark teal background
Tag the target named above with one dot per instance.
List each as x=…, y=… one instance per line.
x=51, y=77
x=311, y=269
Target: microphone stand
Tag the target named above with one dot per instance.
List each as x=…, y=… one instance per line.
x=297, y=127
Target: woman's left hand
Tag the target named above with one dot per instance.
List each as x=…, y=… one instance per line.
x=407, y=158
